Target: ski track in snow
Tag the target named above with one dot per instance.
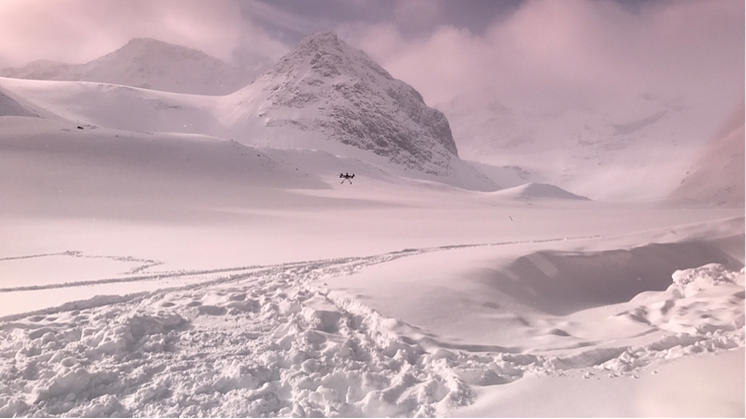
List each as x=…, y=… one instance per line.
x=145, y=265
x=261, y=341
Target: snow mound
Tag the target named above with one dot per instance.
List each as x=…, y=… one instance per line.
x=146, y=63
x=506, y=176
x=538, y=191
x=703, y=301
x=564, y=282
x=689, y=282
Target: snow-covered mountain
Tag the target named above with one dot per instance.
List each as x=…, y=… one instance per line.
x=717, y=177
x=149, y=64
x=324, y=96
x=482, y=125
x=327, y=87
x=639, y=143
x=489, y=128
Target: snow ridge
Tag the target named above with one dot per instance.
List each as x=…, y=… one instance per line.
x=146, y=63
x=534, y=190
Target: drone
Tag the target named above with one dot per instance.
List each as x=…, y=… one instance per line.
x=346, y=177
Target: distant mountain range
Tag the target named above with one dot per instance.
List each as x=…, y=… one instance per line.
x=641, y=142
x=327, y=96
x=149, y=64
x=324, y=95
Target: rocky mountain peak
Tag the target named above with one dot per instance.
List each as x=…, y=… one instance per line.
x=325, y=55
x=327, y=86
x=152, y=49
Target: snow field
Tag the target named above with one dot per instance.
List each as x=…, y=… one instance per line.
x=244, y=338
x=268, y=343
x=264, y=345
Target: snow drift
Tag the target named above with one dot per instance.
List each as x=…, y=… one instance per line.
x=10, y=107
x=537, y=191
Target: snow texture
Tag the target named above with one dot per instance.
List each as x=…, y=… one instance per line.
x=264, y=342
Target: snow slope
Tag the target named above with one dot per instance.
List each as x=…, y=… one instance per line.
x=118, y=107
x=92, y=170
x=537, y=191
x=640, y=143
x=11, y=107
x=146, y=63
x=717, y=177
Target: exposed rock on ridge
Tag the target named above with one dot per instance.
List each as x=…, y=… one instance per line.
x=326, y=86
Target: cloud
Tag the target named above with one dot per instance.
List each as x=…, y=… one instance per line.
x=418, y=15
x=575, y=50
x=77, y=31
x=529, y=52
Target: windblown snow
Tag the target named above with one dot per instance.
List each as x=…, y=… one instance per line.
x=184, y=255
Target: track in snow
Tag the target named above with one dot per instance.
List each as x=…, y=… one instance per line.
x=260, y=341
